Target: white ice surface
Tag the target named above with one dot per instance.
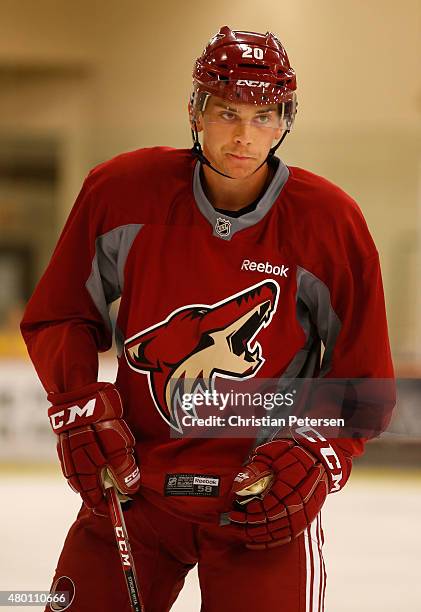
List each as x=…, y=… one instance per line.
x=372, y=550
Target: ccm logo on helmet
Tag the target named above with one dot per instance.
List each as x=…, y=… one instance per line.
x=252, y=83
x=327, y=452
x=59, y=418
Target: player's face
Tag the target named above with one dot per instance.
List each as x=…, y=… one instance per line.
x=238, y=137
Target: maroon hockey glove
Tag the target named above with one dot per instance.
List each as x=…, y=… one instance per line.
x=92, y=436
x=283, y=487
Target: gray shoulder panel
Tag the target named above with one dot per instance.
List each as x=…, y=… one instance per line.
x=319, y=322
x=316, y=297
x=105, y=283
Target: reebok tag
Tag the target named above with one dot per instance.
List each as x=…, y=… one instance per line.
x=192, y=485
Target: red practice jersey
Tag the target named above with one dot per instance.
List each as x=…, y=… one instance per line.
x=205, y=297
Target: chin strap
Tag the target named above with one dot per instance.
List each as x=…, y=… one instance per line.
x=197, y=151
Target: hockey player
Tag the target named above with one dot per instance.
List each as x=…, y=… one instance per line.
x=230, y=266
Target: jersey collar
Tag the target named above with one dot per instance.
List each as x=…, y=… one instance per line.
x=225, y=226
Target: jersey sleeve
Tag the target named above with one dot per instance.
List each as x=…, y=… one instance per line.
x=340, y=307
x=356, y=378
x=66, y=322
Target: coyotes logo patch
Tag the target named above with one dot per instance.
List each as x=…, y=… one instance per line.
x=199, y=342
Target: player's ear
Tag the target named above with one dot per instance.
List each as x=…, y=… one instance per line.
x=278, y=131
x=198, y=118
x=199, y=122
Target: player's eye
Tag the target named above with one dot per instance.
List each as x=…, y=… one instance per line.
x=228, y=116
x=263, y=119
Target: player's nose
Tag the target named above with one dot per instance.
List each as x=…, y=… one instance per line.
x=243, y=133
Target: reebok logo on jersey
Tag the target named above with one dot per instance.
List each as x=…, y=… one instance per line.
x=192, y=485
x=264, y=268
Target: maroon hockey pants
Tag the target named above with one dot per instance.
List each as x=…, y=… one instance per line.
x=289, y=578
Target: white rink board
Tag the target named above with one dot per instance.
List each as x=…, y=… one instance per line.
x=25, y=432
x=372, y=550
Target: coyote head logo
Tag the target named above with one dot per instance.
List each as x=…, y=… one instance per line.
x=196, y=343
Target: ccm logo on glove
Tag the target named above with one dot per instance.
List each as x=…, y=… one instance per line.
x=72, y=412
x=320, y=446
x=93, y=438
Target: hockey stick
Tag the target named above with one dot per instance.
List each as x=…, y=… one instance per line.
x=123, y=545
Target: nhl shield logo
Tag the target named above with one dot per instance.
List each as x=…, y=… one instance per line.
x=223, y=227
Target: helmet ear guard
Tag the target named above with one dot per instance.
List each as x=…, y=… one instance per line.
x=243, y=67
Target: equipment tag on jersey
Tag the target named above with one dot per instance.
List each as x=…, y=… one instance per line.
x=196, y=485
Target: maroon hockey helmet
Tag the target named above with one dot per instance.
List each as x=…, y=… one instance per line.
x=244, y=67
